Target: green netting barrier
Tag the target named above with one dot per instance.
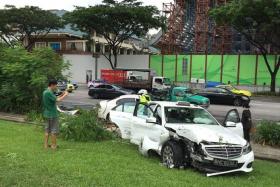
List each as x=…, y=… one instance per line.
x=278, y=76
x=247, y=69
x=183, y=73
x=156, y=64
x=214, y=68
x=230, y=69
x=263, y=73
x=169, y=65
x=198, y=66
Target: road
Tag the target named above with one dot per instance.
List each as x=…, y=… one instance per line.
x=262, y=108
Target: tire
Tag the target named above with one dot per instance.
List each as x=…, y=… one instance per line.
x=237, y=102
x=172, y=155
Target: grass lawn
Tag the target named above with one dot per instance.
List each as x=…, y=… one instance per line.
x=24, y=162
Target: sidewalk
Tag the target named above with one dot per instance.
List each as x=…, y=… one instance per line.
x=266, y=152
x=12, y=117
x=261, y=152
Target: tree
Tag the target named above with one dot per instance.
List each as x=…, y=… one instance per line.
x=259, y=22
x=26, y=24
x=24, y=76
x=116, y=22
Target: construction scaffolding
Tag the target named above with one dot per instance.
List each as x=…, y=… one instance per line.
x=190, y=30
x=171, y=38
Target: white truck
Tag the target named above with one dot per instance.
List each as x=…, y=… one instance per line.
x=185, y=135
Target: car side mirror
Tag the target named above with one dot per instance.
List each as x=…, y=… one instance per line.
x=230, y=124
x=151, y=120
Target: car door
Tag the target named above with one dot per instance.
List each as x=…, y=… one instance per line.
x=224, y=96
x=121, y=115
x=141, y=128
x=101, y=91
x=210, y=93
x=233, y=122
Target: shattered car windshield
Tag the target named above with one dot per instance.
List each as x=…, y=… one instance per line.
x=188, y=116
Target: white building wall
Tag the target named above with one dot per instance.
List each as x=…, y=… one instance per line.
x=80, y=64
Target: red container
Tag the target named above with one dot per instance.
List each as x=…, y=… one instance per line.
x=113, y=76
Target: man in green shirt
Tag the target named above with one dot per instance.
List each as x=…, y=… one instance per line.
x=50, y=113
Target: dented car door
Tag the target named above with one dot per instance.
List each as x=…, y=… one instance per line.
x=142, y=127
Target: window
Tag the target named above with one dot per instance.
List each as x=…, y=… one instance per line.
x=158, y=114
x=107, y=49
x=71, y=45
x=179, y=93
x=122, y=51
x=109, y=87
x=40, y=44
x=143, y=111
x=98, y=48
x=101, y=86
x=127, y=107
x=186, y=116
x=55, y=45
x=159, y=81
x=233, y=116
x=221, y=90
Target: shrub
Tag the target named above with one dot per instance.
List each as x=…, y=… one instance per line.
x=84, y=127
x=268, y=132
x=35, y=117
x=24, y=75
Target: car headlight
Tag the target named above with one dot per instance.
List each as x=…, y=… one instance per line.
x=247, y=149
x=245, y=98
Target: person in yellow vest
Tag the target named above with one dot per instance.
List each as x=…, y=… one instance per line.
x=144, y=96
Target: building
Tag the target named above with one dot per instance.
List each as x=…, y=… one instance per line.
x=69, y=41
x=190, y=30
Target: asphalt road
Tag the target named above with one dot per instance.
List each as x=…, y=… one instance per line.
x=262, y=108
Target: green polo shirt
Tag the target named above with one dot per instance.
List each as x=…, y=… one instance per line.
x=49, y=104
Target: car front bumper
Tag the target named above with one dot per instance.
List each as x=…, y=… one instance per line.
x=207, y=164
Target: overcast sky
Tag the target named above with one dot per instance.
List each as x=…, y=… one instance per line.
x=67, y=4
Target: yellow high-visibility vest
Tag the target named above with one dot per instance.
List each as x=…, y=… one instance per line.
x=145, y=99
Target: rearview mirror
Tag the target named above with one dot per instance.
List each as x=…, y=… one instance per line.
x=230, y=124
x=152, y=120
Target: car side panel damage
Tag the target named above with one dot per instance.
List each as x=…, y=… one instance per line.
x=201, y=143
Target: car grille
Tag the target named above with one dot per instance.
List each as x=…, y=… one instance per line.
x=224, y=151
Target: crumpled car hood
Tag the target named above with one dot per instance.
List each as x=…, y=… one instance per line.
x=210, y=133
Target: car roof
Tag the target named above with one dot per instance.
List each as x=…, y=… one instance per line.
x=128, y=96
x=173, y=104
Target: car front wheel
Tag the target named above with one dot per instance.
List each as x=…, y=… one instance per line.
x=172, y=155
x=237, y=102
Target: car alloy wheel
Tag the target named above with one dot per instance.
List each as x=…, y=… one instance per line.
x=237, y=102
x=168, y=157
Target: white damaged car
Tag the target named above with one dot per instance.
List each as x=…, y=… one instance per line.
x=185, y=135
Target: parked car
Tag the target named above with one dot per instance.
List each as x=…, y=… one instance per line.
x=235, y=90
x=63, y=85
x=224, y=96
x=107, y=91
x=76, y=86
x=70, y=87
x=181, y=94
x=95, y=83
x=185, y=135
x=106, y=106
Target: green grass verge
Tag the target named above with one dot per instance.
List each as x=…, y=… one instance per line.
x=24, y=162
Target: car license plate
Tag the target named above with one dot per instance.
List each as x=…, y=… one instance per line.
x=226, y=163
